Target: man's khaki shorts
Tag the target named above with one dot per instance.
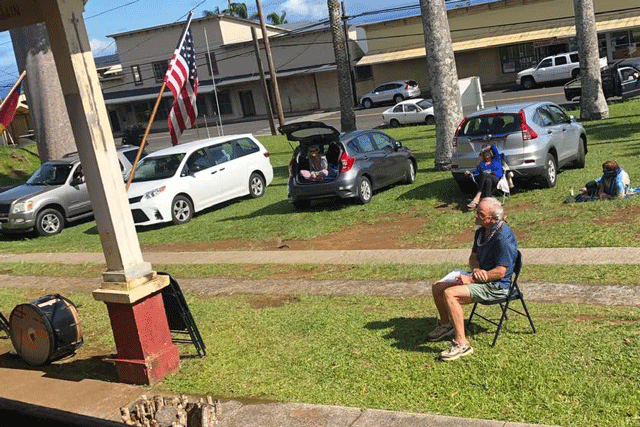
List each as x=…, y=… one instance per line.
x=487, y=292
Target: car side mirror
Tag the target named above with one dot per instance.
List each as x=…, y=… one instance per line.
x=397, y=145
x=76, y=181
x=572, y=119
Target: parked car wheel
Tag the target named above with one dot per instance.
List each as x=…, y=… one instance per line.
x=365, y=192
x=394, y=123
x=410, y=174
x=582, y=161
x=398, y=98
x=551, y=171
x=49, y=222
x=181, y=210
x=430, y=120
x=256, y=185
x=367, y=103
x=528, y=83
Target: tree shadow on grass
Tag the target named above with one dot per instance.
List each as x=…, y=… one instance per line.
x=444, y=191
x=408, y=333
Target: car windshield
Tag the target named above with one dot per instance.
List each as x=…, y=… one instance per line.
x=157, y=167
x=424, y=104
x=494, y=124
x=50, y=174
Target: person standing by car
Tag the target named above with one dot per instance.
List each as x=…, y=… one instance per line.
x=487, y=174
x=492, y=261
x=318, y=165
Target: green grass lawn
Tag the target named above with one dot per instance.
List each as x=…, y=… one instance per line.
x=581, y=368
x=538, y=215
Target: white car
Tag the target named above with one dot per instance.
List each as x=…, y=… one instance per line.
x=174, y=183
x=391, y=92
x=410, y=111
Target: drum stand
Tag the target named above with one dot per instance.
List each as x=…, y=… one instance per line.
x=4, y=325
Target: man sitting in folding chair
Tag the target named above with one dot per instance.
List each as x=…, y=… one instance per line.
x=492, y=261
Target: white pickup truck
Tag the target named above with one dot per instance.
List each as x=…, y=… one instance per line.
x=560, y=67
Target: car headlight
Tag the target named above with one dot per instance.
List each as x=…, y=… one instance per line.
x=21, y=207
x=154, y=193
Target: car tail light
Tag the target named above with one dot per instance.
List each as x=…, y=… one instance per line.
x=291, y=163
x=406, y=87
x=346, y=162
x=267, y=154
x=454, y=167
x=455, y=135
x=527, y=132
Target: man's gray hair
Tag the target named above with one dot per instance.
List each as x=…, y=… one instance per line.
x=495, y=207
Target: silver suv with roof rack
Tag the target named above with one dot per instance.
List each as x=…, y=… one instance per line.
x=54, y=195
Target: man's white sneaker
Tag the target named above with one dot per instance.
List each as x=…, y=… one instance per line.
x=440, y=332
x=455, y=351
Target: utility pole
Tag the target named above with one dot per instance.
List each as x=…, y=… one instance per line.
x=265, y=89
x=345, y=17
x=347, y=114
x=272, y=68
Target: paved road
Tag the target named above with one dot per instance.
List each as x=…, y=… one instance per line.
x=365, y=119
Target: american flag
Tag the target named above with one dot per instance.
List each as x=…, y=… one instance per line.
x=182, y=79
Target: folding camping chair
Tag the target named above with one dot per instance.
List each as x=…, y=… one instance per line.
x=514, y=294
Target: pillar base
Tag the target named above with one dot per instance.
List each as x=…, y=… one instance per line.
x=145, y=352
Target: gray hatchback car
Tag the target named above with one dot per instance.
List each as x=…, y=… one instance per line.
x=54, y=195
x=535, y=139
x=360, y=162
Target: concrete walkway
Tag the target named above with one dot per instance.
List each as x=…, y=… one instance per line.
x=27, y=390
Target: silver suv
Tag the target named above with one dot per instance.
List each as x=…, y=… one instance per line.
x=535, y=139
x=392, y=91
x=54, y=195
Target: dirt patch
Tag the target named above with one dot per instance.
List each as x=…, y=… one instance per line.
x=624, y=216
x=387, y=234
x=266, y=301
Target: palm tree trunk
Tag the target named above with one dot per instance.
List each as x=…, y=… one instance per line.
x=53, y=132
x=592, y=101
x=347, y=113
x=443, y=78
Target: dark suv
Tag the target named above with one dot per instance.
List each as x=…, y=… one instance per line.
x=360, y=162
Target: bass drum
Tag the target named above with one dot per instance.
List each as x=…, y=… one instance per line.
x=45, y=329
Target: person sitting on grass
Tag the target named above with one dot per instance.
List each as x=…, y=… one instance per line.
x=487, y=174
x=492, y=261
x=613, y=184
x=318, y=165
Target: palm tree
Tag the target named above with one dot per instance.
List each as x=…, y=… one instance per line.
x=592, y=102
x=53, y=132
x=443, y=78
x=277, y=19
x=238, y=10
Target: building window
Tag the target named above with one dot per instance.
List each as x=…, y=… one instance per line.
x=164, y=108
x=517, y=57
x=201, y=104
x=364, y=72
x=224, y=100
x=137, y=76
x=625, y=44
x=142, y=112
x=159, y=70
x=212, y=64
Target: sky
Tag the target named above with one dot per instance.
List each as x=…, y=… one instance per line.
x=106, y=17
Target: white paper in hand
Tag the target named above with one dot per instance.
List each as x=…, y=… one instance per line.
x=451, y=277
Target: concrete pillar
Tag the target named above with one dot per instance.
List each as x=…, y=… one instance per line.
x=131, y=290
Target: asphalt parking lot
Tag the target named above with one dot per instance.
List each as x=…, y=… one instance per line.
x=365, y=118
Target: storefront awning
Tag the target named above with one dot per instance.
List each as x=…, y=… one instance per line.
x=502, y=40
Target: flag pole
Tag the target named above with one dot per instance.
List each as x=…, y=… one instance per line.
x=13, y=89
x=155, y=109
x=146, y=134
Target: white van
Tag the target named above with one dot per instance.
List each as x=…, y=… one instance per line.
x=174, y=183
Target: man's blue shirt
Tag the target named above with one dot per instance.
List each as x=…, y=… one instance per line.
x=500, y=250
